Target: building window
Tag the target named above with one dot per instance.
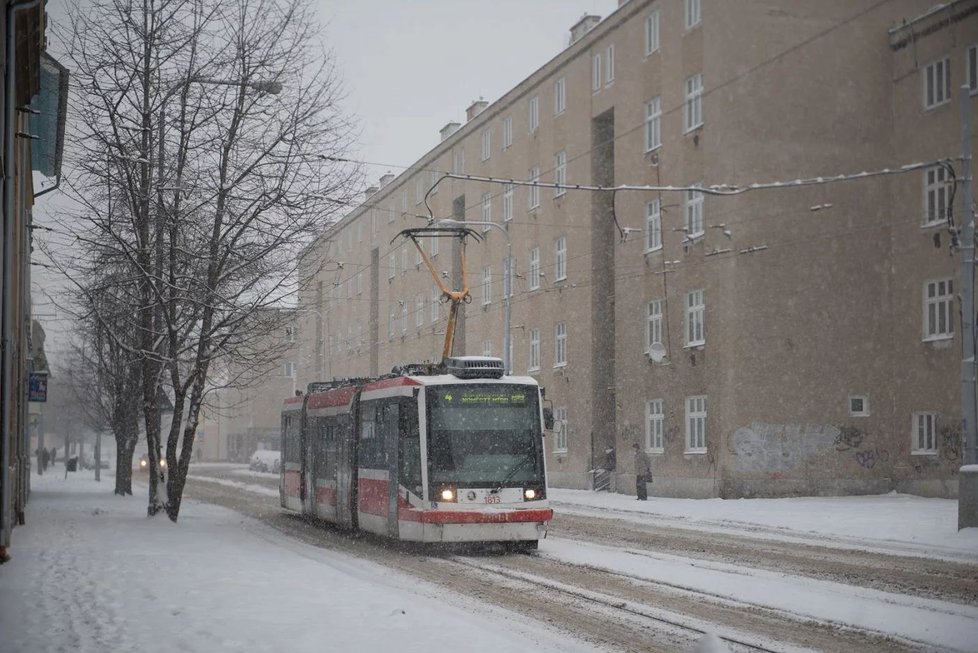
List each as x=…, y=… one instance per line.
x=695, y=311
x=653, y=324
x=458, y=161
x=391, y=265
x=391, y=319
x=487, y=347
x=486, y=210
x=404, y=259
x=535, y=268
x=434, y=180
x=596, y=73
x=937, y=195
x=419, y=189
x=609, y=64
x=971, y=68
x=418, y=259
x=938, y=310
x=653, y=226
x=560, y=430
x=560, y=172
x=560, y=259
x=534, y=119
x=654, y=422
x=534, y=191
x=433, y=247
x=288, y=369
x=691, y=13
x=652, y=32
x=359, y=283
x=694, y=213
x=693, y=102
x=858, y=406
x=507, y=202
x=290, y=334
x=534, y=350
x=923, y=433
x=419, y=311
x=487, y=285
x=507, y=131
x=560, y=344
x=486, y=144
x=653, y=124
x=509, y=270
x=696, y=424
x=937, y=83
x=560, y=98
x=435, y=302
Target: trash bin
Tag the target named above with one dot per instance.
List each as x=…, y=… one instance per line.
x=72, y=464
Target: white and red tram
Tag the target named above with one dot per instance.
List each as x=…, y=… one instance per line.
x=453, y=454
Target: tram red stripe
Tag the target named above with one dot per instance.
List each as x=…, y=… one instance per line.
x=390, y=383
x=326, y=496
x=373, y=497
x=338, y=397
x=293, y=481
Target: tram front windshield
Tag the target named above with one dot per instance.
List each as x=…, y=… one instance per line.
x=484, y=435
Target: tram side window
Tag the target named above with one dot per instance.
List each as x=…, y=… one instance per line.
x=409, y=447
x=371, y=447
x=291, y=446
x=325, y=434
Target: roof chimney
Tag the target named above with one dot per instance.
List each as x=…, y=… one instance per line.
x=386, y=179
x=582, y=27
x=370, y=191
x=475, y=109
x=448, y=130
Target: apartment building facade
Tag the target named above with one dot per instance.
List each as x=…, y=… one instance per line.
x=794, y=339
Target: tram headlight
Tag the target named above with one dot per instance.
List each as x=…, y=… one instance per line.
x=447, y=494
x=534, y=493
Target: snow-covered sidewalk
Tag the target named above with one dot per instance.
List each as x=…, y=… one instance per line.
x=90, y=573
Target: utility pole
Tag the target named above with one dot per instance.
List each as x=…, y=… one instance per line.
x=968, y=476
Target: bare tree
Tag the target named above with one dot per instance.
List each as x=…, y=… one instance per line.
x=215, y=127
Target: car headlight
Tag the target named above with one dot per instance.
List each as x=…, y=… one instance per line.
x=163, y=463
x=142, y=462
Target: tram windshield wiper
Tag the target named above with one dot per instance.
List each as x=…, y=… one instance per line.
x=512, y=472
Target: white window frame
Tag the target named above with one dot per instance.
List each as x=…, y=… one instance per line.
x=404, y=259
x=693, y=102
x=507, y=202
x=507, y=132
x=655, y=418
x=533, y=365
x=938, y=307
x=937, y=196
x=435, y=305
x=652, y=33
x=391, y=265
x=653, y=324
x=694, y=212
x=486, y=144
x=653, y=124
x=419, y=311
x=923, y=433
x=534, y=113
x=391, y=322
x=560, y=258
x=691, y=13
x=696, y=424
x=487, y=285
x=560, y=344
x=937, y=89
x=695, y=318
x=458, y=160
x=434, y=181
x=858, y=406
x=535, y=268
x=971, y=68
x=288, y=369
x=560, y=429
x=486, y=210
x=419, y=189
x=560, y=172
x=653, y=226
x=359, y=282
x=609, y=65
x=533, y=192
x=433, y=247
x=596, y=73
x=290, y=333
x=487, y=347
x=560, y=96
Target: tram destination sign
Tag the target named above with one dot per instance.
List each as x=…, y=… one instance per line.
x=486, y=397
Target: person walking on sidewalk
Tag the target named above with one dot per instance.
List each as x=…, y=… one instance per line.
x=643, y=472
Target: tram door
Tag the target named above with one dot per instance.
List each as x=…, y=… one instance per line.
x=310, y=435
x=390, y=427
x=346, y=472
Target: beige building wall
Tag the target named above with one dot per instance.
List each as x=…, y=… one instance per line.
x=813, y=296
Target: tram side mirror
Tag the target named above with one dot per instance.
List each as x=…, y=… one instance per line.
x=548, y=418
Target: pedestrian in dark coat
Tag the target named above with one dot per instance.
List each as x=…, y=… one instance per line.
x=54, y=455
x=45, y=459
x=643, y=472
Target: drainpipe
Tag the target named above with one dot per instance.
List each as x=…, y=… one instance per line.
x=6, y=329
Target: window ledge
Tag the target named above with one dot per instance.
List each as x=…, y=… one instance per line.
x=560, y=451
x=694, y=452
x=653, y=250
x=937, y=106
x=695, y=346
x=935, y=223
x=560, y=366
x=942, y=338
x=923, y=452
x=655, y=451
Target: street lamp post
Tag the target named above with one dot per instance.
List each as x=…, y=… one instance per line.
x=508, y=272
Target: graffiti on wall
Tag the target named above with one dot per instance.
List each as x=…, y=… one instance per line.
x=779, y=448
x=869, y=458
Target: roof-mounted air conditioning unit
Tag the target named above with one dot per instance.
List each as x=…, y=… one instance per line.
x=475, y=367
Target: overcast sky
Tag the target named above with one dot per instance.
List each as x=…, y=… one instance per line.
x=411, y=67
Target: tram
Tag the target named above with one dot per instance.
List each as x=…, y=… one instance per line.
x=451, y=452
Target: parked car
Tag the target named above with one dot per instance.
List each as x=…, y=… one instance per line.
x=266, y=460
